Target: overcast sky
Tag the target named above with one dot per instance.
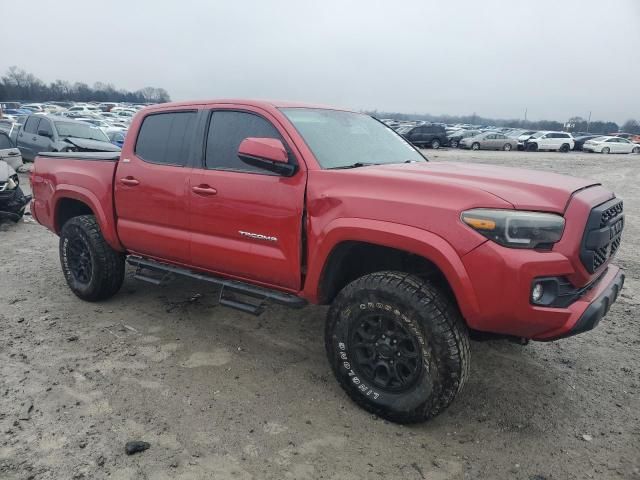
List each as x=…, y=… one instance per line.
x=558, y=58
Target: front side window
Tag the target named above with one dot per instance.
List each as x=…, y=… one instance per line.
x=165, y=138
x=45, y=127
x=227, y=130
x=341, y=139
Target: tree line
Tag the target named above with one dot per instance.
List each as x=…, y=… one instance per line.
x=18, y=85
x=574, y=124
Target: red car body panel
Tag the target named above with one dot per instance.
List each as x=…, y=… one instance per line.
x=200, y=219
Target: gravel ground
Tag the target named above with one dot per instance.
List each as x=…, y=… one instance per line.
x=220, y=394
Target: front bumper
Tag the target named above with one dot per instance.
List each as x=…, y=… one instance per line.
x=598, y=308
x=502, y=278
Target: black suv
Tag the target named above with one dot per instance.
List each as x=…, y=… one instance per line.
x=427, y=135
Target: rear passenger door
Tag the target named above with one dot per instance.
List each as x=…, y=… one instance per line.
x=152, y=185
x=27, y=137
x=246, y=221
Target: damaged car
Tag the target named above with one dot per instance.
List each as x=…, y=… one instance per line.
x=42, y=133
x=13, y=201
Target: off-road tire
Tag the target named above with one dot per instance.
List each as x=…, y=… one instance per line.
x=431, y=319
x=107, y=265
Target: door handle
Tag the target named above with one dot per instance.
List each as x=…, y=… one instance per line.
x=204, y=190
x=130, y=181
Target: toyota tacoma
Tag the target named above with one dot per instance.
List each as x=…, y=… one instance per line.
x=295, y=204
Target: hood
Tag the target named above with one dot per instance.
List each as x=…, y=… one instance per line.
x=89, y=145
x=524, y=189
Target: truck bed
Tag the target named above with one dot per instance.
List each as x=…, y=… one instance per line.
x=75, y=180
x=96, y=156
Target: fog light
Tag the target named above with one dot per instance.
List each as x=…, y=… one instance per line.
x=536, y=292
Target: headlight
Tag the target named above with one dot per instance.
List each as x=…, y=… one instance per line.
x=516, y=229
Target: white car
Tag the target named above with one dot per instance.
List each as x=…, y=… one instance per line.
x=558, y=141
x=610, y=145
x=9, y=153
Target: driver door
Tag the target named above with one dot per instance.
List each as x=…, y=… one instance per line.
x=246, y=222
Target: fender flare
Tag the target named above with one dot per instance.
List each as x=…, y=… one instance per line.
x=402, y=237
x=105, y=222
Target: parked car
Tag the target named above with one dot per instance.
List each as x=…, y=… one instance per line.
x=610, y=145
x=428, y=135
x=117, y=136
x=410, y=254
x=9, y=153
x=13, y=201
x=454, y=139
x=489, y=141
x=556, y=141
x=579, y=141
x=59, y=134
x=629, y=136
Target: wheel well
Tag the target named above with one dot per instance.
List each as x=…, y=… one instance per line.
x=351, y=260
x=67, y=209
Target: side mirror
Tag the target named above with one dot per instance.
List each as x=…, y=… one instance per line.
x=266, y=153
x=44, y=133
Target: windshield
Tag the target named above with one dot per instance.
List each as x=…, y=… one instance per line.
x=79, y=130
x=339, y=139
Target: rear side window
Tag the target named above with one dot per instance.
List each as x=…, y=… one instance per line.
x=32, y=124
x=165, y=138
x=5, y=142
x=226, y=131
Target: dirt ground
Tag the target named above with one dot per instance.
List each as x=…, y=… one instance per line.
x=220, y=394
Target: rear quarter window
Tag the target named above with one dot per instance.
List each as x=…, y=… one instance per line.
x=166, y=138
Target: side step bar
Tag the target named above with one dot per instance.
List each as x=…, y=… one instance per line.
x=227, y=286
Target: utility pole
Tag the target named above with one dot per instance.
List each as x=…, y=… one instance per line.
x=588, y=122
x=525, y=114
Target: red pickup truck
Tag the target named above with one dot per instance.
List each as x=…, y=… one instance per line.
x=299, y=204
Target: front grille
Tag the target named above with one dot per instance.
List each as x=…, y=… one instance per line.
x=602, y=235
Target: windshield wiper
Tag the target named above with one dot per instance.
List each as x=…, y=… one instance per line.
x=353, y=165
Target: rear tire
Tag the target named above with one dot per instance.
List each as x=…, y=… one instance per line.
x=532, y=147
x=475, y=146
x=92, y=269
x=605, y=151
x=636, y=150
x=565, y=148
x=435, y=144
x=454, y=144
x=507, y=147
x=397, y=346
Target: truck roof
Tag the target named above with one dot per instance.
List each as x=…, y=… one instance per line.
x=266, y=104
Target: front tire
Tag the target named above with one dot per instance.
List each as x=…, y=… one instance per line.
x=475, y=146
x=507, y=147
x=92, y=269
x=605, y=150
x=435, y=144
x=454, y=144
x=398, y=346
x=565, y=148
